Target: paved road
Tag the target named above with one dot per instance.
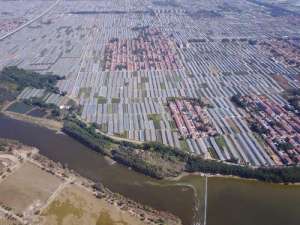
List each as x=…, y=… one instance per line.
x=30, y=21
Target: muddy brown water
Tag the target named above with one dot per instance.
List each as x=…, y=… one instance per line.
x=62, y=148
x=230, y=201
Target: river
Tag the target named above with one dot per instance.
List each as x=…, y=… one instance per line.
x=230, y=201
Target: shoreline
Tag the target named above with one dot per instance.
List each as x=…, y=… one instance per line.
x=200, y=174
x=28, y=154
x=57, y=127
x=42, y=122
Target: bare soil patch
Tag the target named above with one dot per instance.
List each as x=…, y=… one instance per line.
x=28, y=187
x=74, y=205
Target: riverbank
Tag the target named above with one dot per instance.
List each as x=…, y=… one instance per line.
x=161, y=194
x=164, y=161
x=200, y=174
x=43, y=122
x=159, y=161
x=145, y=214
x=25, y=158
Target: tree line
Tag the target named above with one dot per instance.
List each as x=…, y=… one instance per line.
x=27, y=78
x=124, y=153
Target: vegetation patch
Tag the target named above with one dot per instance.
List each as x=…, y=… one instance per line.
x=156, y=118
x=76, y=205
x=220, y=141
x=160, y=161
x=145, y=158
x=26, y=78
x=184, y=146
x=115, y=100
x=61, y=209
x=122, y=135
x=101, y=100
x=105, y=219
x=163, y=86
x=86, y=91
x=19, y=107
x=13, y=80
